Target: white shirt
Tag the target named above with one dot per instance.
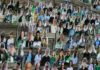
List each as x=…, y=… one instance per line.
x=37, y=59
x=81, y=42
x=74, y=60
x=35, y=44
x=39, y=29
x=10, y=41
x=98, y=57
x=32, y=27
x=85, y=28
x=53, y=29
x=69, y=68
x=63, y=15
x=60, y=30
x=73, y=44
x=22, y=52
x=14, y=18
x=50, y=5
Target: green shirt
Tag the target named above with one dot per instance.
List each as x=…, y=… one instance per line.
x=67, y=59
x=52, y=60
x=21, y=43
x=97, y=67
x=33, y=9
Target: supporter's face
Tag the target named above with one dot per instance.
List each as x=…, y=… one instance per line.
x=61, y=53
x=54, y=21
x=11, y=36
x=62, y=37
x=36, y=3
x=22, y=34
x=68, y=52
x=84, y=63
x=42, y=12
x=30, y=50
x=39, y=50
x=35, y=12
x=47, y=51
x=1, y=50
x=38, y=34
x=40, y=23
x=29, y=36
x=55, y=68
x=70, y=26
x=17, y=66
x=53, y=53
x=47, y=22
